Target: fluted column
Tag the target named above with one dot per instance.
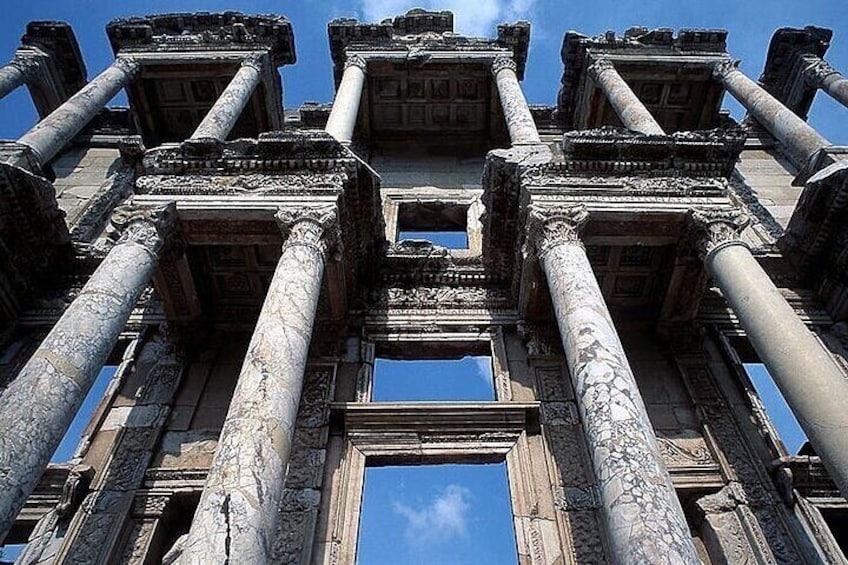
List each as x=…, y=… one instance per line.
x=55, y=131
x=821, y=75
x=813, y=384
x=519, y=120
x=238, y=514
x=16, y=73
x=643, y=518
x=630, y=110
x=38, y=406
x=224, y=114
x=342, y=118
x=800, y=140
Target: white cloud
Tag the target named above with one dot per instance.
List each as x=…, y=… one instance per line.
x=444, y=518
x=478, y=18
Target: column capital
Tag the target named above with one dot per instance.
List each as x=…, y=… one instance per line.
x=255, y=61
x=816, y=70
x=148, y=226
x=503, y=62
x=716, y=229
x=724, y=67
x=27, y=63
x=556, y=225
x=316, y=227
x=599, y=67
x=129, y=65
x=354, y=60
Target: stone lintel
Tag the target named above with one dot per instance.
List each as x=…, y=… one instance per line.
x=423, y=32
x=713, y=152
x=782, y=76
x=204, y=31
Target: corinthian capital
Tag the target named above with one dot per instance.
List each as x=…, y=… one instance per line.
x=503, y=62
x=723, y=68
x=354, y=60
x=551, y=226
x=127, y=64
x=28, y=63
x=599, y=67
x=149, y=226
x=316, y=227
x=715, y=229
x=816, y=70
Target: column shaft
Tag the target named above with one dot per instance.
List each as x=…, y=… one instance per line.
x=644, y=520
x=519, y=120
x=810, y=380
x=11, y=77
x=800, y=140
x=221, y=118
x=238, y=513
x=55, y=131
x=38, y=406
x=342, y=118
x=630, y=110
x=821, y=75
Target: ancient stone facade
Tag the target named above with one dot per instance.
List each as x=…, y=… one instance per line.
x=629, y=249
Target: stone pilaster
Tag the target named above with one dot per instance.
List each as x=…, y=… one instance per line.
x=818, y=73
x=55, y=131
x=809, y=378
x=799, y=139
x=38, y=406
x=519, y=120
x=643, y=517
x=224, y=114
x=238, y=514
x=630, y=110
x=342, y=118
x=19, y=71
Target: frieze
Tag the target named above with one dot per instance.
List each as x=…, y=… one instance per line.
x=204, y=31
x=441, y=298
x=304, y=184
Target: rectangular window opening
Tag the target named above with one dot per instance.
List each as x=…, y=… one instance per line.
x=441, y=223
x=434, y=374
x=436, y=514
x=10, y=553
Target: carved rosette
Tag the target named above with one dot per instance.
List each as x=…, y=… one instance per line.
x=817, y=70
x=316, y=227
x=599, y=67
x=548, y=227
x=722, y=69
x=716, y=229
x=503, y=62
x=148, y=226
x=354, y=60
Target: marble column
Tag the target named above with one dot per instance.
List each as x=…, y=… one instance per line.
x=55, y=131
x=38, y=406
x=800, y=140
x=818, y=73
x=342, y=118
x=519, y=120
x=643, y=517
x=16, y=73
x=630, y=110
x=811, y=381
x=221, y=118
x=238, y=513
